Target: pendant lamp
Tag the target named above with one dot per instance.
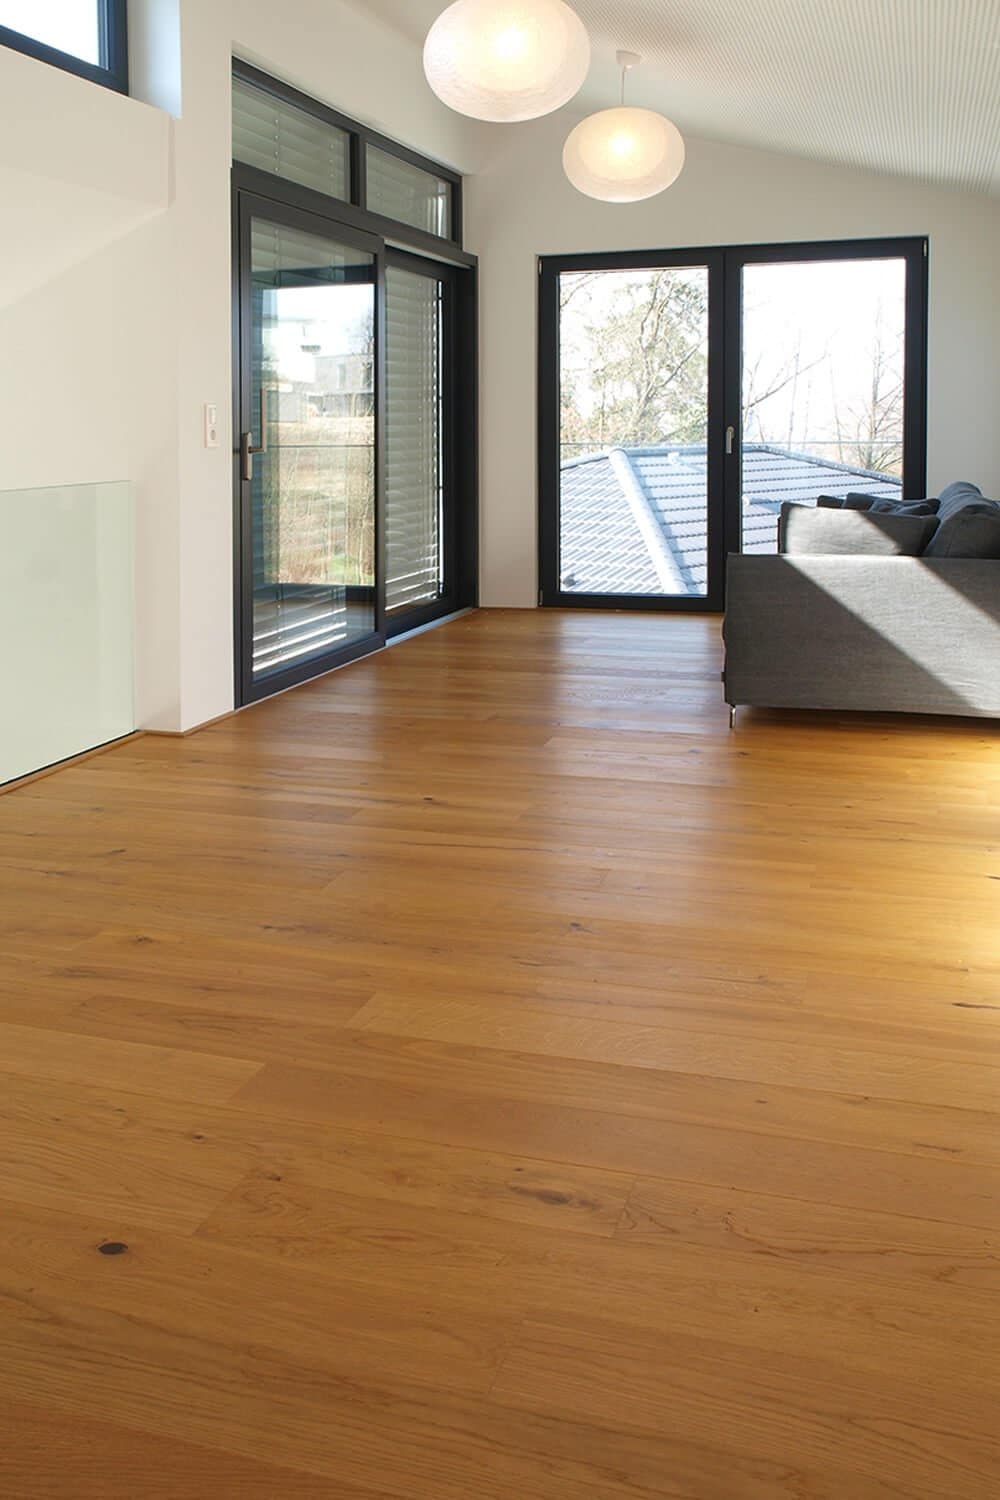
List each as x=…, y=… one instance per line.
x=506, y=60
x=625, y=154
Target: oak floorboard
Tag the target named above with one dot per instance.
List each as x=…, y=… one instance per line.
x=372, y=1237
x=64, y=1054
x=498, y=1081
x=682, y=1388
x=50, y=1455
x=899, y=1076
x=798, y=1112
x=813, y=1170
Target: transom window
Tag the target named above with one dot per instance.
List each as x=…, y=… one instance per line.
x=287, y=134
x=83, y=36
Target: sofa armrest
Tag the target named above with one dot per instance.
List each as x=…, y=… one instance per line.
x=905, y=634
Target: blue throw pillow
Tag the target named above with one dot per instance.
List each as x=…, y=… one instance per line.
x=971, y=531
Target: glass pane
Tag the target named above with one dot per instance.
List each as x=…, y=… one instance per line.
x=408, y=194
x=277, y=137
x=66, y=620
x=634, y=430
x=72, y=26
x=414, y=430
x=313, y=494
x=823, y=367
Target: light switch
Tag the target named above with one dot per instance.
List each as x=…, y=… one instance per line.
x=211, y=425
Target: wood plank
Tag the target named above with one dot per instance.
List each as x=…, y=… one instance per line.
x=684, y=1389
x=111, y=1153
x=840, y=1070
x=88, y=1148
x=64, y=1055
x=50, y=1455
x=195, y=1293
x=373, y=1237
x=877, y=1327
x=869, y=1243
x=850, y=1119
x=817, y=1171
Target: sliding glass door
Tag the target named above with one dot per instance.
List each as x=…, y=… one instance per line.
x=684, y=396
x=356, y=449
x=308, y=471
x=420, y=438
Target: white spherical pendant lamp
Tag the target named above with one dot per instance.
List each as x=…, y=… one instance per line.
x=506, y=60
x=623, y=155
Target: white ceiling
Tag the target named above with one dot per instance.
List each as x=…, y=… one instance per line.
x=903, y=86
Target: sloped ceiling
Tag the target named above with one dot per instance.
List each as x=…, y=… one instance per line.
x=903, y=86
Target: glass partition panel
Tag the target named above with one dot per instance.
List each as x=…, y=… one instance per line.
x=66, y=623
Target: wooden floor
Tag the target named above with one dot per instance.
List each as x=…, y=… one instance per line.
x=499, y=1082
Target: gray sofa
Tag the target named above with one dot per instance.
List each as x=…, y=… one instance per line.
x=872, y=630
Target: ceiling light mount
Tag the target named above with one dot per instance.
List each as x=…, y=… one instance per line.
x=626, y=62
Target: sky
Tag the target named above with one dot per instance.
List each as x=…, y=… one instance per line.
x=70, y=25
x=826, y=317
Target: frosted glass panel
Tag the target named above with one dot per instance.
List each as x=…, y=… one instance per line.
x=66, y=623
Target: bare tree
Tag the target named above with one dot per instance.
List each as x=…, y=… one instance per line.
x=878, y=423
x=642, y=361
x=761, y=384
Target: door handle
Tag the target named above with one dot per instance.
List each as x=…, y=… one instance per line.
x=730, y=441
x=247, y=446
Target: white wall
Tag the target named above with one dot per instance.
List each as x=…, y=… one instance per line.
x=521, y=206
x=115, y=288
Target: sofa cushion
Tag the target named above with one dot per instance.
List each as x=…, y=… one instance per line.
x=845, y=502
x=906, y=507
x=971, y=531
x=958, y=495
x=884, y=504
x=805, y=530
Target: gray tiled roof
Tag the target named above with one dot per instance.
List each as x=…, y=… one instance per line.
x=603, y=550
x=633, y=519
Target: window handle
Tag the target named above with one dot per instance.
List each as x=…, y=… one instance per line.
x=247, y=446
x=730, y=441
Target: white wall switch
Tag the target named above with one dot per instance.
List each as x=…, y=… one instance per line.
x=211, y=425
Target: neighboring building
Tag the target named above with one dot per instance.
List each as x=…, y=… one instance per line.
x=634, y=519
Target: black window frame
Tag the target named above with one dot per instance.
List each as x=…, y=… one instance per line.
x=726, y=264
x=111, y=72
x=361, y=137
